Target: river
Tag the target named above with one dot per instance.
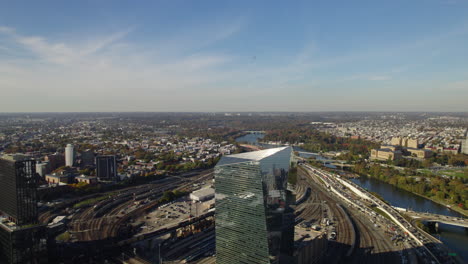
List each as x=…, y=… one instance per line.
x=456, y=238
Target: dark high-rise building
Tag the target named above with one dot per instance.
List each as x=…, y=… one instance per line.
x=55, y=161
x=23, y=244
x=106, y=168
x=254, y=217
x=87, y=158
x=18, y=191
x=22, y=238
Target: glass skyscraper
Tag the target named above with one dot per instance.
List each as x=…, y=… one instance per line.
x=22, y=238
x=106, y=168
x=254, y=217
x=18, y=194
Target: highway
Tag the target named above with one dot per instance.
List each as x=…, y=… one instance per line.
x=357, y=240
x=416, y=243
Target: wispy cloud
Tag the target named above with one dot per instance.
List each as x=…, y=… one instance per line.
x=379, y=78
x=181, y=70
x=107, y=67
x=60, y=52
x=368, y=77
x=197, y=37
x=4, y=29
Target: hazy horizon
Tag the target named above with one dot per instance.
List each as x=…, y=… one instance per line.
x=245, y=112
x=181, y=56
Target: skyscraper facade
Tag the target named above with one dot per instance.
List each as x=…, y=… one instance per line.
x=254, y=217
x=55, y=160
x=18, y=191
x=106, y=168
x=87, y=158
x=22, y=238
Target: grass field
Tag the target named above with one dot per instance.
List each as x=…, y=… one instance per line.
x=460, y=173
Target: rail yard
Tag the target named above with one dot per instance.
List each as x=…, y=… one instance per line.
x=354, y=239
x=111, y=216
x=132, y=217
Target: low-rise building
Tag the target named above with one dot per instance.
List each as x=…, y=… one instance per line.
x=202, y=194
x=310, y=246
x=450, y=150
x=87, y=179
x=385, y=154
x=41, y=168
x=419, y=153
x=59, y=178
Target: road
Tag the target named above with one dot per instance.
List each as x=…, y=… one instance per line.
x=371, y=245
x=417, y=243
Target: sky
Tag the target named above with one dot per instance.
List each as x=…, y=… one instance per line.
x=215, y=56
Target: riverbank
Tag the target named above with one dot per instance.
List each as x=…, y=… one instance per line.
x=447, y=205
x=454, y=237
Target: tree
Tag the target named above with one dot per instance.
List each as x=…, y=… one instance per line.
x=427, y=163
x=440, y=195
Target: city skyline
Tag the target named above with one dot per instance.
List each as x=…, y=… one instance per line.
x=205, y=57
x=228, y=188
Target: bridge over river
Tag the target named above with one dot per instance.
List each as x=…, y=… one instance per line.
x=435, y=218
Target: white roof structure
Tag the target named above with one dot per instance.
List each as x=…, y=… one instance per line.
x=202, y=194
x=257, y=155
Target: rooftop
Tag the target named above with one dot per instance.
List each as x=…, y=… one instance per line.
x=204, y=192
x=251, y=156
x=258, y=155
x=303, y=236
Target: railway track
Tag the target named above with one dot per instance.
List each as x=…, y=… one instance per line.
x=371, y=245
x=373, y=249
x=93, y=223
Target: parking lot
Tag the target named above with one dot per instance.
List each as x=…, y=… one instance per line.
x=172, y=213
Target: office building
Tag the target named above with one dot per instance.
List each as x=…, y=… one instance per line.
x=412, y=143
x=18, y=194
x=58, y=178
x=41, y=168
x=15, y=157
x=202, y=194
x=106, y=168
x=385, y=154
x=87, y=179
x=405, y=142
x=22, y=238
x=69, y=155
x=400, y=146
x=55, y=160
x=87, y=158
x=396, y=141
x=254, y=217
x=464, y=145
x=419, y=153
x=22, y=244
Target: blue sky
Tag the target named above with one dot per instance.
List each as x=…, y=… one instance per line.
x=67, y=56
